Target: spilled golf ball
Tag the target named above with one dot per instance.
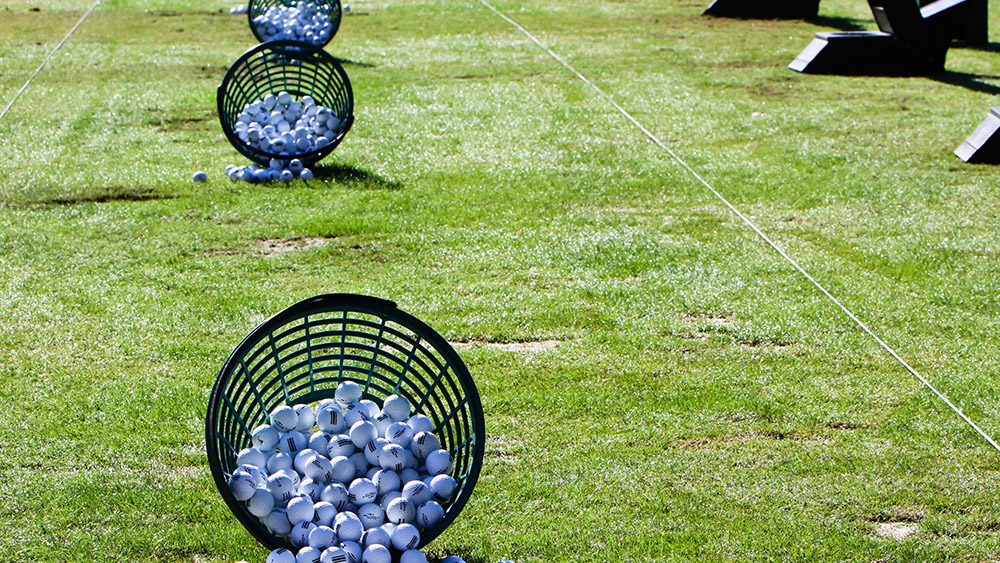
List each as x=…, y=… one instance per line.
x=300, y=20
x=339, y=484
x=287, y=126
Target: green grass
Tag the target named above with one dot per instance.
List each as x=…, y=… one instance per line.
x=705, y=402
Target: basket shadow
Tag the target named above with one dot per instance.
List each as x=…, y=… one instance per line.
x=353, y=63
x=354, y=177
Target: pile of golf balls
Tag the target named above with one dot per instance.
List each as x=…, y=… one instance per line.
x=301, y=20
x=347, y=482
x=284, y=125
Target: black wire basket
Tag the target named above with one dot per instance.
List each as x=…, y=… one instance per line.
x=301, y=354
x=289, y=66
x=331, y=8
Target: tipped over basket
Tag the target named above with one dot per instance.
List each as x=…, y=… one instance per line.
x=285, y=66
x=301, y=354
x=258, y=12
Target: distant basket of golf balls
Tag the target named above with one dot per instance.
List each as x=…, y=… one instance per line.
x=285, y=101
x=344, y=424
x=310, y=21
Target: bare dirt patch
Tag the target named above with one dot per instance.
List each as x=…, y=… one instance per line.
x=525, y=346
x=281, y=246
x=712, y=442
x=895, y=530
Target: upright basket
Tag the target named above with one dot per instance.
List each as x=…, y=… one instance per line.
x=331, y=8
x=301, y=354
x=289, y=66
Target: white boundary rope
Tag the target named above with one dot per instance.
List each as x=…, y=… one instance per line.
x=749, y=223
x=46, y=60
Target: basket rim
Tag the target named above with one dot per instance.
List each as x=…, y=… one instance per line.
x=363, y=304
x=284, y=46
x=333, y=32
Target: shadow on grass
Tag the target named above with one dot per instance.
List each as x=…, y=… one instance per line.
x=354, y=177
x=993, y=47
x=843, y=24
x=98, y=195
x=353, y=63
x=975, y=82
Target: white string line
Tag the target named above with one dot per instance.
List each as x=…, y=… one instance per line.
x=46, y=60
x=749, y=223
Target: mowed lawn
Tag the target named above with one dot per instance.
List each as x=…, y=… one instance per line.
x=677, y=391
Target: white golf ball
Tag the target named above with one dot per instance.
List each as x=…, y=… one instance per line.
x=282, y=487
x=258, y=474
x=322, y=537
x=265, y=437
x=417, y=492
x=412, y=556
x=306, y=418
x=324, y=513
x=424, y=443
x=335, y=494
x=400, y=511
x=429, y=513
x=284, y=418
x=261, y=503
x=399, y=433
x=340, y=445
x=342, y=470
x=281, y=556
x=279, y=461
x=199, y=177
x=360, y=463
x=243, y=485
x=452, y=559
x=376, y=536
x=320, y=442
x=347, y=392
x=362, y=491
x=348, y=527
x=291, y=442
x=355, y=412
x=382, y=422
x=443, y=487
x=277, y=522
x=387, y=498
x=329, y=419
x=300, y=533
x=420, y=423
x=409, y=474
x=300, y=509
x=373, y=449
x=392, y=457
x=438, y=462
x=334, y=554
x=397, y=407
x=362, y=432
x=376, y=554
x=371, y=515
x=320, y=469
x=353, y=550
x=385, y=481
x=302, y=459
x=405, y=536
x=251, y=456
x=308, y=554
x=311, y=489
x=306, y=174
